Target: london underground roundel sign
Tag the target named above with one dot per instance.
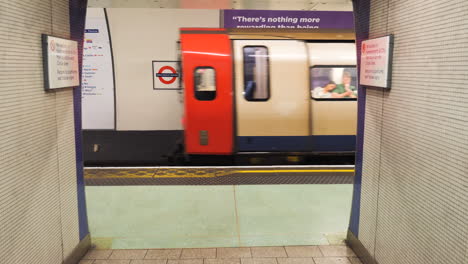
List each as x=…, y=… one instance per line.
x=170, y=76
x=165, y=75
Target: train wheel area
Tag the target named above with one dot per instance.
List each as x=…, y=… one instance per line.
x=266, y=159
x=243, y=159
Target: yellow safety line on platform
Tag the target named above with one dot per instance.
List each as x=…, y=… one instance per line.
x=266, y=171
x=212, y=175
x=186, y=176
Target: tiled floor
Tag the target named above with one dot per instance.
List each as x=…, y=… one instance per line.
x=132, y=217
x=242, y=255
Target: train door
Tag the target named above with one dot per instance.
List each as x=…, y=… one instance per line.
x=272, y=97
x=207, y=77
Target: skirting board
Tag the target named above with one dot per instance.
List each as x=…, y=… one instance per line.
x=80, y=250
x=353, y=242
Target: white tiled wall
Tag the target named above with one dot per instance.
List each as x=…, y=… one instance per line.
x=38, y=201
x=415, y=191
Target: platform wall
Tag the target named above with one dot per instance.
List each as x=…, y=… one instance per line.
x=414, y=199
x=139, y=36
x=148, y=121
x=38, y=173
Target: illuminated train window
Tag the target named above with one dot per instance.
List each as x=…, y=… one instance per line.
x=205, y=83
x=256, y=73
x=333, y=82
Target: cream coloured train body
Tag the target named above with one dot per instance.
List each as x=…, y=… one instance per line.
x=264, y=103
x=291, y=120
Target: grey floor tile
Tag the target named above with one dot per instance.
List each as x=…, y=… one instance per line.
x=163, y=253
x=112, y=261
x=198, y=253
x=240, y=252
x=128, y=254
x=87, y=261
x=148, y=261
x=98, y=254
x=222, y=261
x=303, y=251
x=337, y=251
x=258, y=261
x=185, y=261
x=295, y=261
x=355, y=260
x=268, y=252
x=331, y=260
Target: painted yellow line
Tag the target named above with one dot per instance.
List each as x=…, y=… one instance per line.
x=185, y=176
x=211, y=175
x=148, y=177
x=268, y=171
x=117, y=176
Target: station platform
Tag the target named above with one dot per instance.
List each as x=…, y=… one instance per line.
x=235, y=175
x=209, y=207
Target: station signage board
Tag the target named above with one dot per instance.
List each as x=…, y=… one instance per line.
x=376, y=59
x=60, y=58
x=166, y=75
x=97, y=74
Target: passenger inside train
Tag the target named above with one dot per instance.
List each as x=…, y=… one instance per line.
x=345, y=89
x=324, y=92
x=325, y=85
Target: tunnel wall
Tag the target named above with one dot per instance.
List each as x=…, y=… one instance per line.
x=140, y=35
x=39, y=216
x=413, y=201
x=148, y=121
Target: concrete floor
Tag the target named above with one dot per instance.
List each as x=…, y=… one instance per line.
x=135, y=217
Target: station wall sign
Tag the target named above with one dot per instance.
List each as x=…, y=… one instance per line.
x=287, y=19
x=166, y=75
x=376, y=59
x=97, y=75
x=60, y=59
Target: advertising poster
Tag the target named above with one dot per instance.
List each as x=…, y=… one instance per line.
x=98, y=108
x=282, y=19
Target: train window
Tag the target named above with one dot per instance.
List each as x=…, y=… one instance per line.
x=256, y=73
x=205, y=83
x=333, y=82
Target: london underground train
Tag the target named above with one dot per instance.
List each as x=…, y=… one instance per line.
x=252, y=94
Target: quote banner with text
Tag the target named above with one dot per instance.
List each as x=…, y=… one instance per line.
x=279, y=19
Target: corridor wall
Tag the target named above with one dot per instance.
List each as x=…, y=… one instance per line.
x=39, y=172
x=412, y=200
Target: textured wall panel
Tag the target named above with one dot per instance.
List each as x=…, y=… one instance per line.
x=372, y=140
x=66, y=142
x=371, y=168
x=422, y=187
x=37, y=163
x=67, y=172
